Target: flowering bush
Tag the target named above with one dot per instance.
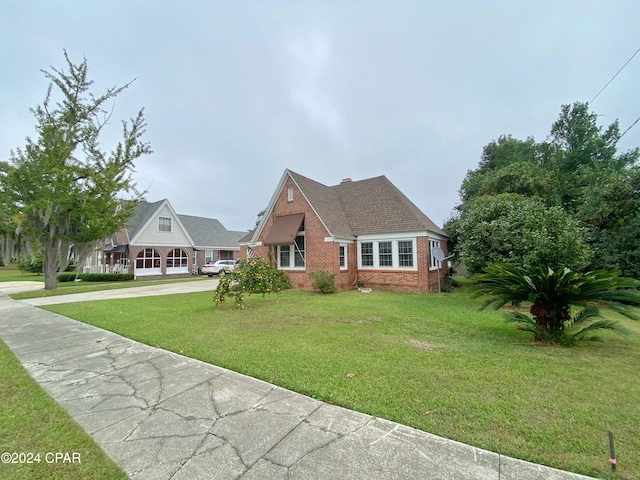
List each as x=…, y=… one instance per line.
x=252, y=275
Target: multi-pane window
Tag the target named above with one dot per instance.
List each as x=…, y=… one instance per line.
x=366, y=254
x=343, y=256
x=405, y=253
x=285, y=256
x=164, y=224
x=299, y=251
x=208, y=256
x=293, y=256
x=385, y=254
x=177, y=258
x=433, y=261
x=148, y=258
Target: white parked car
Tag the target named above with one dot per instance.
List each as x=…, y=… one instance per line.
x=219, y=267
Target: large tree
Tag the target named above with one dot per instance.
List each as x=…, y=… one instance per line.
x=62, y=191
x=519, y=231
x=578, y=169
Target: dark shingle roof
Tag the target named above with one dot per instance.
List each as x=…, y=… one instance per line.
x=370, y=206
x=143, y=212
x=326, y=201
x=376, y=205
x=205, y=232
x=209, y=232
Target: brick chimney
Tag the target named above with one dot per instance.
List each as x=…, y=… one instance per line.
x=345, y=180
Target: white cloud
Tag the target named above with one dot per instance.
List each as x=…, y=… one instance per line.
x=236, y=92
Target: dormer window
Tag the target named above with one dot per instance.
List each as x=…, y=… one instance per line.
x=164, y=224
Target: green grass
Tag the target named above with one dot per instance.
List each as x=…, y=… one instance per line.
x=433, y=362
x=9, y=273
x=32, y=422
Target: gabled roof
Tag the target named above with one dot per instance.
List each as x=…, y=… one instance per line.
x=376, y=205
x=209, y=232
x=142, y=214
x=247, y=236
x=327, y=204
x=353, y=208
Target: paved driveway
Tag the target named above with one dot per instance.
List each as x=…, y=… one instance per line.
x=209, y=284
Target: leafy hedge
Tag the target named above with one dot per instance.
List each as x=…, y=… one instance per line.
x=95, y=277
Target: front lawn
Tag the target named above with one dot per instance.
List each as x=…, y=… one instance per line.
x=433, y=362
x=10, y=273
x=33, y=424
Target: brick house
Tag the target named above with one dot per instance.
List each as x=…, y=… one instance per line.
x=159, y=242
x=367, y=232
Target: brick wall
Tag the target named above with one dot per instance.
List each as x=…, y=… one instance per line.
x=320, y=255
x=421, y=280
x=325, y=255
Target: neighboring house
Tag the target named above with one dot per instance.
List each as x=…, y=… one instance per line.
x=367, y=232
x=159, y=242
x=211, y=241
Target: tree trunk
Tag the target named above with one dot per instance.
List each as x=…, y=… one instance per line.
x=50, y=265
x=543, y=318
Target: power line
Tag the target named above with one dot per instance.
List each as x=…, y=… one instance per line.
x=612, y=78
x=637, y=119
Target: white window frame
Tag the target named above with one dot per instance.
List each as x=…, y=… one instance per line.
x=395, y=255
x=292, y=255
x=343, y=247
x=177, y=264
x=413, y=254
x=163, y=224
x=149, y=255
x=290, y=194
x=433, y=263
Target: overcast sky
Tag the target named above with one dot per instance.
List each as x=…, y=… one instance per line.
x=236, y=91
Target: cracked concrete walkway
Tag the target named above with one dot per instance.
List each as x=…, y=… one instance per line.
x=160, y=415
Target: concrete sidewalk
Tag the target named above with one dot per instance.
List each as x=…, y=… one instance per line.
x=164, y=416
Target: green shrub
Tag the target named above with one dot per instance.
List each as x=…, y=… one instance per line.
x=252, y=275
x=31, y=264
x=323, y=281
x=95, y=277
x=565, y=305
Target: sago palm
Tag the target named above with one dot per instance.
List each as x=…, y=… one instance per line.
x=565, y=305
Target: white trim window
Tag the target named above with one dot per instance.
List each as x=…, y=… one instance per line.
x=405, y=253
x=290, y=194
x=164, y=224
x=433, y=262
x=293, y=257
x=387, y=254
x=177, y=261
x=148, y=262
x=344, y=265
x=366, y=254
